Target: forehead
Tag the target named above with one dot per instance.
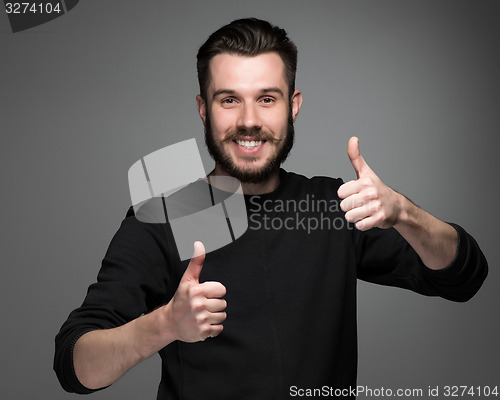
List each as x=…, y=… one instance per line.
x=247, y=74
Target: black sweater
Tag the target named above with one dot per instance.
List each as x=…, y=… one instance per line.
x=291, y=295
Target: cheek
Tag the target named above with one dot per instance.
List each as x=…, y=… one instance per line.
x=222, y=121
x=277, y=122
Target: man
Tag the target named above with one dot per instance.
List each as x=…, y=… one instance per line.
x=275, y=311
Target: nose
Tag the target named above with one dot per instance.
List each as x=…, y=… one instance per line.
x=249, y=118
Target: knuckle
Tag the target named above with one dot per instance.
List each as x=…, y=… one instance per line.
x=371, y=194
x=375, y=206
x=195, y=290
x=198, y=304
x=201, y=319
x=365, y=181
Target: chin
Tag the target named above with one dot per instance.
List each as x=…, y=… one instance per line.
x=225, y=159
x=254, y=174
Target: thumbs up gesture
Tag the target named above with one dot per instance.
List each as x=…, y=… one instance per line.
x=367, y=201
x=197, y=309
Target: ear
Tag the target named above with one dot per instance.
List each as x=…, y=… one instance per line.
x=296, y=104
x=202, y=108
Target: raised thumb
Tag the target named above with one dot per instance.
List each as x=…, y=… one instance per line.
x=195, y=266
x=357, y=160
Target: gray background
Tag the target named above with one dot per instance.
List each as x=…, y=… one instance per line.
x=88, y=94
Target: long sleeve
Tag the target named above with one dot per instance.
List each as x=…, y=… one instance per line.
x=384, y=257
x=133, y=280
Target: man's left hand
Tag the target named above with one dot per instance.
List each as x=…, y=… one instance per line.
x=367, y=201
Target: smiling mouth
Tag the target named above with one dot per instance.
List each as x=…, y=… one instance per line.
x=249, y=144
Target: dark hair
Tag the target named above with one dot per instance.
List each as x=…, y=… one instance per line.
x=247, y=37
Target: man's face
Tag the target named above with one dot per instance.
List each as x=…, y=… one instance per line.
x=248, y=116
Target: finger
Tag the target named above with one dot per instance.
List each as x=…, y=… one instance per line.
x=349, y=188
x=213, y=290
x=193, y=270
x=216, y=318
x=357, y=214
x=210, y=332
x=366, y=223
x=352, y=201
x=214, y=331
x=357, y=160
x=216, y=305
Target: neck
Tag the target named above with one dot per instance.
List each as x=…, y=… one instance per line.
x=267, y=186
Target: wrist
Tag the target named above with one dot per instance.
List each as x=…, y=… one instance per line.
x=167, y=323
x=152, y=332
x=404, y=215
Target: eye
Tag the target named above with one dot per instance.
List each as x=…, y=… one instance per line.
x=228, y=101
x=267, y=100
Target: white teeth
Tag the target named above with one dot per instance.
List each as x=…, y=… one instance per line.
x=249, y=144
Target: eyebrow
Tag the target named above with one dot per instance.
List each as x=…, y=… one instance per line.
x=263, y=91
x=222, y=91
x=273, y=89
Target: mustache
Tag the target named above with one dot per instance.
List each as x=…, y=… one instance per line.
x=256, y=134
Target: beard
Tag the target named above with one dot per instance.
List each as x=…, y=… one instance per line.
x=250, y=175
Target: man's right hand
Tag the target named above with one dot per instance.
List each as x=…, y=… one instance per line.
x=197, y=309
x=195, y=313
